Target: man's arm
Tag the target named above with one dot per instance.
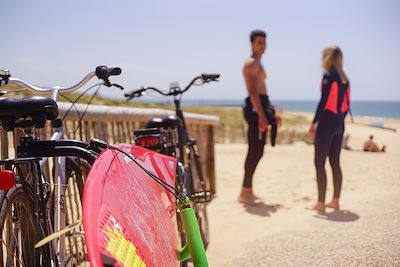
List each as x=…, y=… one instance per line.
x=250, y=72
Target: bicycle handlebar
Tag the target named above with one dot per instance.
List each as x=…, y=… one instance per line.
x=174, y=91
x=102, y=72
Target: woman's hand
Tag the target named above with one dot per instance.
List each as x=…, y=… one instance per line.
x=311, y=132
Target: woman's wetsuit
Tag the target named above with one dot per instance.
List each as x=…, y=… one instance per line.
x=256, y=139
x=330, y=114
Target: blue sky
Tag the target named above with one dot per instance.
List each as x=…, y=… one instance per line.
x=156, y=42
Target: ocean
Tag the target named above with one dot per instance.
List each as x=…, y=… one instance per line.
x=379, y=109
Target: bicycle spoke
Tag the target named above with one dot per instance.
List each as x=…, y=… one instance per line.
x=14, y=236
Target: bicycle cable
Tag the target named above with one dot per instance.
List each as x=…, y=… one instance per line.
x=79, y=126
x=86, y=108
x=73, y=105
x=76, y=100
x=179, y=195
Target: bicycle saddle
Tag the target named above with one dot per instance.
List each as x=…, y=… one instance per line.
x=27, y=112
x=168, y=122
x=172, y=121
x=154, y=123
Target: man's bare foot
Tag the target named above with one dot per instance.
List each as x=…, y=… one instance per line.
x=248, y=197
x=334, y=204
x=320, y=207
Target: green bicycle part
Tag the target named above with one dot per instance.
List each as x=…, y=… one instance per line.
x=194, y=247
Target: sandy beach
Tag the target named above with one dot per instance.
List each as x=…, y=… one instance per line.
x=281, y=232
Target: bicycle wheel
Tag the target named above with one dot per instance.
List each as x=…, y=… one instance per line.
x=76, y=173
x=17, y=226
x=196, y=184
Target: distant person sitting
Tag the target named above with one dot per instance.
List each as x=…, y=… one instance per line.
x=371, y=146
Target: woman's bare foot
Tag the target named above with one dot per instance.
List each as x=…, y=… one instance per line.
x=334, y=204
x=247, y=196
x=320, y=207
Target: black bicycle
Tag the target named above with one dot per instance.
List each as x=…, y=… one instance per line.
x=40, y=217
x=160, y=135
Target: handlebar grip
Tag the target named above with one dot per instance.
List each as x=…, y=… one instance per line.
x=209, y=77
x=102, y=72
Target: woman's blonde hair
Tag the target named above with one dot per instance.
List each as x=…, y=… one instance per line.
x=332, y=58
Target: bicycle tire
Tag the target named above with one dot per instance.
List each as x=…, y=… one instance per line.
x=18, y=227
x=196, y=183
x=76, y=173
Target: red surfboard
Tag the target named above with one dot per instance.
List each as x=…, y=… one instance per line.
x=129, y=219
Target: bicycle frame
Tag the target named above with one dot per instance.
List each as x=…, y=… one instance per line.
x=192, y=182
x=183, y=133
x=59, y=179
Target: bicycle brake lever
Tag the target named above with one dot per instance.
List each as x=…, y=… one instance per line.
x=5, y=82
x=118, y=86
x=106, y=82
x=128, y=97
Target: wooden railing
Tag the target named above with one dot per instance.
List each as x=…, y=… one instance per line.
x=116, y=125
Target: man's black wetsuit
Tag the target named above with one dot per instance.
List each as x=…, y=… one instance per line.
x=256, y=139
x=330, y=114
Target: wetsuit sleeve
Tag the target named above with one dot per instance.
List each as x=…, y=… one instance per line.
x=348, y=99
x=325, y=88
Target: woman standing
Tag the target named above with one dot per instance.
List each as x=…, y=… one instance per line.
x=327, y=127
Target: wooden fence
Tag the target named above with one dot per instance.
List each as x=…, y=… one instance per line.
x=116, y=125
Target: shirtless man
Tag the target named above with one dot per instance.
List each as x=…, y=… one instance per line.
x=254, y=113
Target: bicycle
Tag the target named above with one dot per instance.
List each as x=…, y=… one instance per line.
x=34, y=206
x=159, y=136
